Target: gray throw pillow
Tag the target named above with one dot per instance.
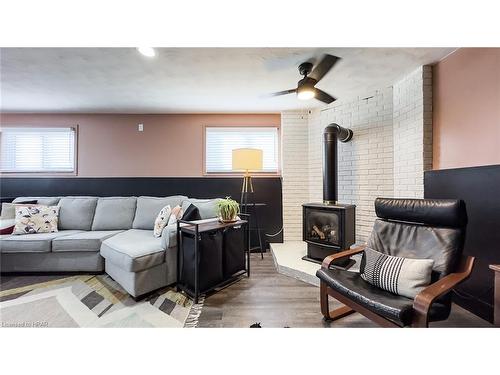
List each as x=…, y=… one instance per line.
x=403, y=276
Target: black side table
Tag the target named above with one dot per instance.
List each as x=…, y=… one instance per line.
x=255, y=208
x=212, y=257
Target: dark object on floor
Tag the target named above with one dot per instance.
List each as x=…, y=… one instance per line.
x=255, y=325
x=432, y=229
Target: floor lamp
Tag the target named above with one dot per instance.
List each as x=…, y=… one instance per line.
x=246, y=159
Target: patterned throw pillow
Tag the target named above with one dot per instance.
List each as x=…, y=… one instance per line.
x=403, y=276
x=162, y=220
x=36, y=219
x=175, y=215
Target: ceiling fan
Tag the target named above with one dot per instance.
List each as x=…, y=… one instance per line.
x=305, y=87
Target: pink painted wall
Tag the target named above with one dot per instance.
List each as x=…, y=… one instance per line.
x=110, y=145
x=466, y=118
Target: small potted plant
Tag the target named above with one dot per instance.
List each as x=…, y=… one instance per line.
x=228, y=210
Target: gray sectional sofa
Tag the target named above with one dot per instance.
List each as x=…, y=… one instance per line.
x=111, y=234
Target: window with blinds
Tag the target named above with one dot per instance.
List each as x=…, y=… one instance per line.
x=220, y=141
x=37, y=150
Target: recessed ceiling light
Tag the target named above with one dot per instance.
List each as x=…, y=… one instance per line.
x=147, y=51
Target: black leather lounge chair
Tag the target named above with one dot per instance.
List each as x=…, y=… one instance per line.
x=410, y=228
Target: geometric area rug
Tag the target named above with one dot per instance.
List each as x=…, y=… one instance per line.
x=94, y=301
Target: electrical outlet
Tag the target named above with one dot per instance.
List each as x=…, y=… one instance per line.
x=140, y=127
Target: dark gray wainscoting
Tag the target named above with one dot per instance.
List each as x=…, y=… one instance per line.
x=267, y=190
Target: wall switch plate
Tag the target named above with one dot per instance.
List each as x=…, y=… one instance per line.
x=140, y=127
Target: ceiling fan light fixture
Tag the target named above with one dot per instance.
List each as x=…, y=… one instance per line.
x=305, y=93
x=147, y=51
x=306, y=87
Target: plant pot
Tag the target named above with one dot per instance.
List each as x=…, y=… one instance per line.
x=228, y=221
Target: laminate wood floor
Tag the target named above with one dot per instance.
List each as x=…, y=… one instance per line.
x=268, y=298
x=276, y=300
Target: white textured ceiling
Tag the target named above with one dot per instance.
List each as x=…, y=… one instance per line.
x=179, y=80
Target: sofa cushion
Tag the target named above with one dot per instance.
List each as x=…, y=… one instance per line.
x=149, y=207
x=206, y=207
x=76, y=212
x=134, y=250
x=112, y=213
x=45, y=201
x=82, y=241
x=31, y=243
x=9, y=209
x=169, y=236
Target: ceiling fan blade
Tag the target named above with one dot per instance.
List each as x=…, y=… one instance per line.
x=291, y=91
x=323, y=96
x=323, y=67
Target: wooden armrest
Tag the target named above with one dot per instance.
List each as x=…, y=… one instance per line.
x=343, y=254
x=427, y=296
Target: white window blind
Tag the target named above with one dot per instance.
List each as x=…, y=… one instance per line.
x=37, y=150
x=221, y=141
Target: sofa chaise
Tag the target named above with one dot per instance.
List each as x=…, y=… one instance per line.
x=111, y=234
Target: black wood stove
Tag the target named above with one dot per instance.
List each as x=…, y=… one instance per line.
x=329, y=227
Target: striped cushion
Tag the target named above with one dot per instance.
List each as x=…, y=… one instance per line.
x=403, y=276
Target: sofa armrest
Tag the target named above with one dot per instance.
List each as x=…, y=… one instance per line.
x=343, y=254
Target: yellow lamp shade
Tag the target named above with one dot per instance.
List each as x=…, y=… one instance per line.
x=247, y=159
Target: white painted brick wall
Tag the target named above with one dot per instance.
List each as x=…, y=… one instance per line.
x=391, y=148
x=412, y=98
x=365, y=163
x=295, y=167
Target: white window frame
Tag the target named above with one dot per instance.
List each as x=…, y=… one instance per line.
x=47, y=171
x=239, y=173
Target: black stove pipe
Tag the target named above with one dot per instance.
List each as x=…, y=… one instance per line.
x=332, y=134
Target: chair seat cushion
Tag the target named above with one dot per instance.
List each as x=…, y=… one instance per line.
x=134, y=250
x=32, y=243
x=83, y=241
x=396, y=308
